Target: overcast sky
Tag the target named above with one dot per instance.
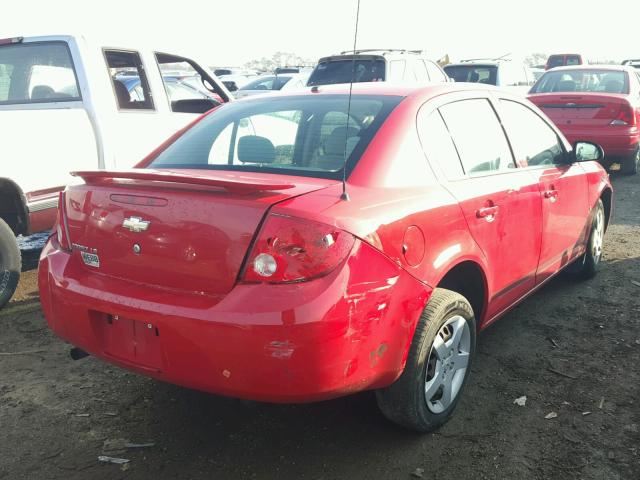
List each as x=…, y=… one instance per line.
x=234, y=32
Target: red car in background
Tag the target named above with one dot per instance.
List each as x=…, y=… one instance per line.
x=564, y=59
x=235, y=260
x=600, y=104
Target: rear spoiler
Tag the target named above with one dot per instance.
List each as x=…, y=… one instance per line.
x=230, y=181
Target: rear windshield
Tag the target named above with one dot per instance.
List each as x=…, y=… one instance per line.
x=275, y=82
x=573, y=60
x=487, y=74
x=37, y=73
x=597, y=81
x=301, y=135
x=344, y=70
x=555, y=61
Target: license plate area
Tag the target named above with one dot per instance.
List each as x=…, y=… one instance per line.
x=128, y=340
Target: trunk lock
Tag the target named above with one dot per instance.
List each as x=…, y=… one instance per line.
x=137, y=249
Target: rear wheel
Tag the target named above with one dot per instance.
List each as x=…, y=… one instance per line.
x=10, y=263
x=439, y=362
x=631, y=163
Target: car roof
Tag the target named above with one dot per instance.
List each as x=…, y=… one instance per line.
x=486, y=62
x=612, y=67
x=474, y=63
x=373, y=54
x=382, y=89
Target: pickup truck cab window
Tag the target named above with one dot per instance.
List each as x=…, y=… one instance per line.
x=478, y=136
x=438, y=145
x=127, y=72
x=39, y=72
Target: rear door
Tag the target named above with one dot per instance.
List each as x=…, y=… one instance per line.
x=500, y=202
x=563, y=186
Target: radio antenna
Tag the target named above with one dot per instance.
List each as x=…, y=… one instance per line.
x=345, y=195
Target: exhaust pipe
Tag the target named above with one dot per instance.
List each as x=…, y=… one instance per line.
x=77, y=353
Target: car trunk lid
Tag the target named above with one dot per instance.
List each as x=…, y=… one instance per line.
x=178, y=230
x=581, y=110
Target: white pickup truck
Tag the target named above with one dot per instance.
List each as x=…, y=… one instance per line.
x=67, y=104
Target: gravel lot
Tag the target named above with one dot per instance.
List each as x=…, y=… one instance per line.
x=572, y=349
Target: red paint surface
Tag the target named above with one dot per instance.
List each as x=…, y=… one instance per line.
x=345, y=331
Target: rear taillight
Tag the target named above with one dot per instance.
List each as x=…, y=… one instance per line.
x=61, y=228
x=291, y=249
x=626, y=116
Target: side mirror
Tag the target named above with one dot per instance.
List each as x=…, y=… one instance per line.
x=587, y=152
x=193, y=105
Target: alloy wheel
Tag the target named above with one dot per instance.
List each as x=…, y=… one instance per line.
x=447, y=364
x=597, y=237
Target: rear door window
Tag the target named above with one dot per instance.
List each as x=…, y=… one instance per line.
x=127, y=74
x=534, y=142
x=478, y=136
x=438, y=145
x=41, y=72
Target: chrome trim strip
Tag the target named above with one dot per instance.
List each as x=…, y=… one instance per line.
x=40, y=205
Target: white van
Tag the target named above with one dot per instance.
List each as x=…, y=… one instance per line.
x=69, y=104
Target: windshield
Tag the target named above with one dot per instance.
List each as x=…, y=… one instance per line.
x=473, y=73
x=308, y=135
x=37, y=73
x=597, y=81
x=343, y=70
x=275, y=82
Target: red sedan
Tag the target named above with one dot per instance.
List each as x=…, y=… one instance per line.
x=234, y=260
x=596, y=103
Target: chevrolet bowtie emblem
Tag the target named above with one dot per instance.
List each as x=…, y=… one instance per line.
x=135, y=224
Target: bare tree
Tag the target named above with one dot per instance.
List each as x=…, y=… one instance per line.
x=536, y=59
x=279, y=59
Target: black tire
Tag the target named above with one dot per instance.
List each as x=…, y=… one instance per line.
x=10, y=263
x=404, y=402
x=588, y=265
x=631, y=163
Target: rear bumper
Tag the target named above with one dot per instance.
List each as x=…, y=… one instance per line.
x=616, y=141
x=346, y=332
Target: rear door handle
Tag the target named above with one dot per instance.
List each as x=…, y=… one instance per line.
x=488, y=213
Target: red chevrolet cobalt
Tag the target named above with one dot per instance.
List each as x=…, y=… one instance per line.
x=235, y=260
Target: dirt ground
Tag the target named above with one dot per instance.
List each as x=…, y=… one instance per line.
x=572, y=348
